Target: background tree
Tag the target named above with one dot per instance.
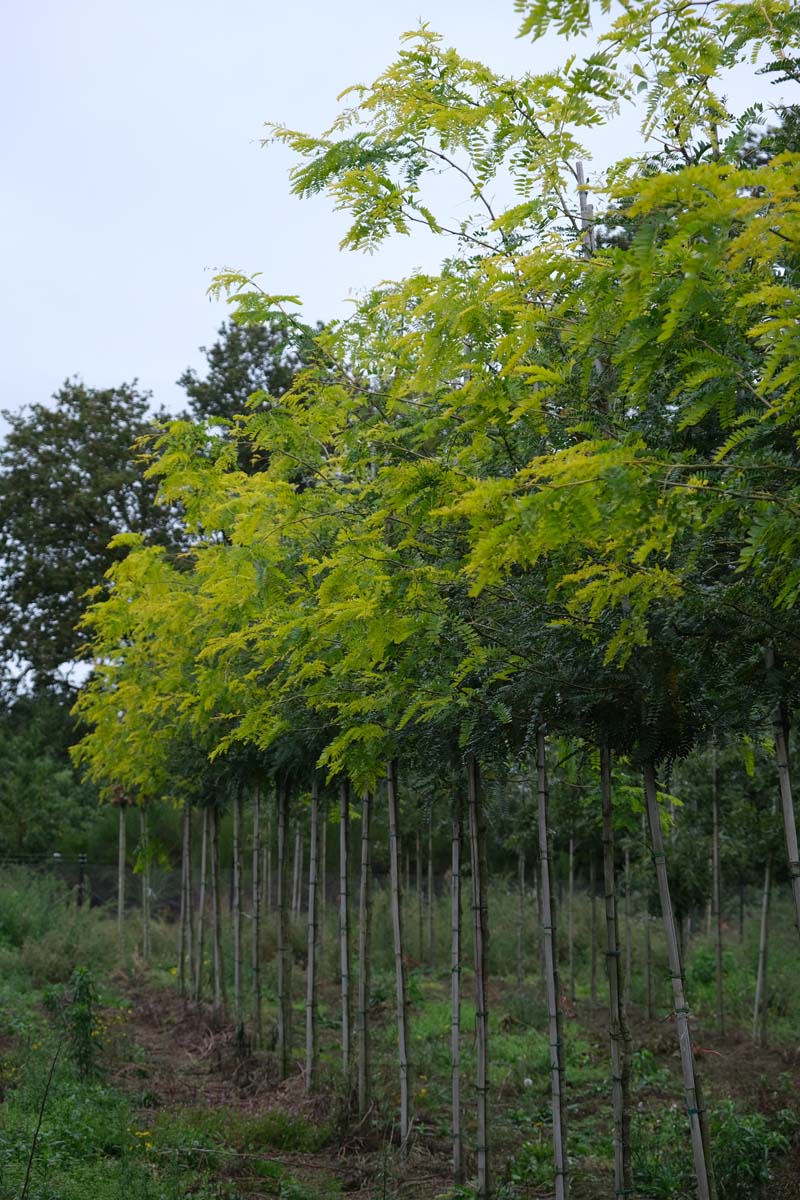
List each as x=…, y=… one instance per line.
x=69, y=481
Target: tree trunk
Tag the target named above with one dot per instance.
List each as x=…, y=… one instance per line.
x=312, y=1062
x=121, y=856
x=618, y=1025
x=520, y=915
x=363, y=960
x=593, y=963
x=480, y=916
x=201, y=911
x=571, y=920
x=255, y=950
x=628, y=940
x=420, y=902
x=344, y=926
x=268, y=892
x=237, y=916
x=557, y=1048
x=694, y=1105
x=780, y=728
x=761, y=1004
x=400, y=970
x=145, y=852
x=182, y=940
x=455, y=991
x=322, y=890
x=297, y=871
x=284, y=945
x=430, y=891
x=216, y=919
x=716, y=886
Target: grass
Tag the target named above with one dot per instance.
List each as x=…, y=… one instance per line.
x=95, y=1143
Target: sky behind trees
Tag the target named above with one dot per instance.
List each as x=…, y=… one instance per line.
x=133, y=170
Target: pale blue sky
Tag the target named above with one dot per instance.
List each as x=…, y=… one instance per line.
x=131, y=167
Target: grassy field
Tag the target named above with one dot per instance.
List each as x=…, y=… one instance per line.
x=114, y=1088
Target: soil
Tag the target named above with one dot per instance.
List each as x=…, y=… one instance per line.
x=184, y=1061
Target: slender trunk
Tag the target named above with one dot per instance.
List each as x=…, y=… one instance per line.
x=520, y=915
x=408, y=874
x=694, y=1105
x=400, y=970
x=628, y=941
x=557, y=1048
x=121, y=856
x=237, y=915
x=571, y=920
x=268, y=892
x=189, y=895
x=761, y=1007
x=593, y=963
x=741, y=911
x=539, y=912
x=761, y=1004
x=420, y=901
x=618, y=1025
x=648, y=968
x=716, y=886
x=312, y=1063
x=201, y=911
x=430, y=891
x=255, y=950
x=296, y=871
x=216, y=919
x=344, y=926
x=283, y=947
x=363, y=960
x=480, y=916
x=145, y=851
x=323, y=876
x=780, y=728
x=455, y=991
x=182, y=940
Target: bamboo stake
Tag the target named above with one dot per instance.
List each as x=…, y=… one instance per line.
x=477, y=843
x=690, y=1081
x=400, y=970
x=455, y=991
x=430, y=890
x=255, y=950
x=364, y=916
x=283, y=947
x=571, y=919
x=761, y=1007
x=557, y=1074
x=716, y=886
x=296, y=871
x=312, y=1063
x=323, y=875
x=593, y=963
x=618, y=1027
x=237, y=914
x=628, y=939
x=780, y=726
x=145, y=852
x=121, y=857
x=520, y=914
x=216, y=919
x=420, y=900
x=268, y=893
x=182, y=926
x=201, y=910
x=344, y=925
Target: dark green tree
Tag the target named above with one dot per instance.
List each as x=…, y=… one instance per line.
x=70, y=480
x=243, y=360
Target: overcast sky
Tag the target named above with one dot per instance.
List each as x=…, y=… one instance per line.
x=131, y=168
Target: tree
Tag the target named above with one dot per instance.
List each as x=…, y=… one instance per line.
x=69, y=481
